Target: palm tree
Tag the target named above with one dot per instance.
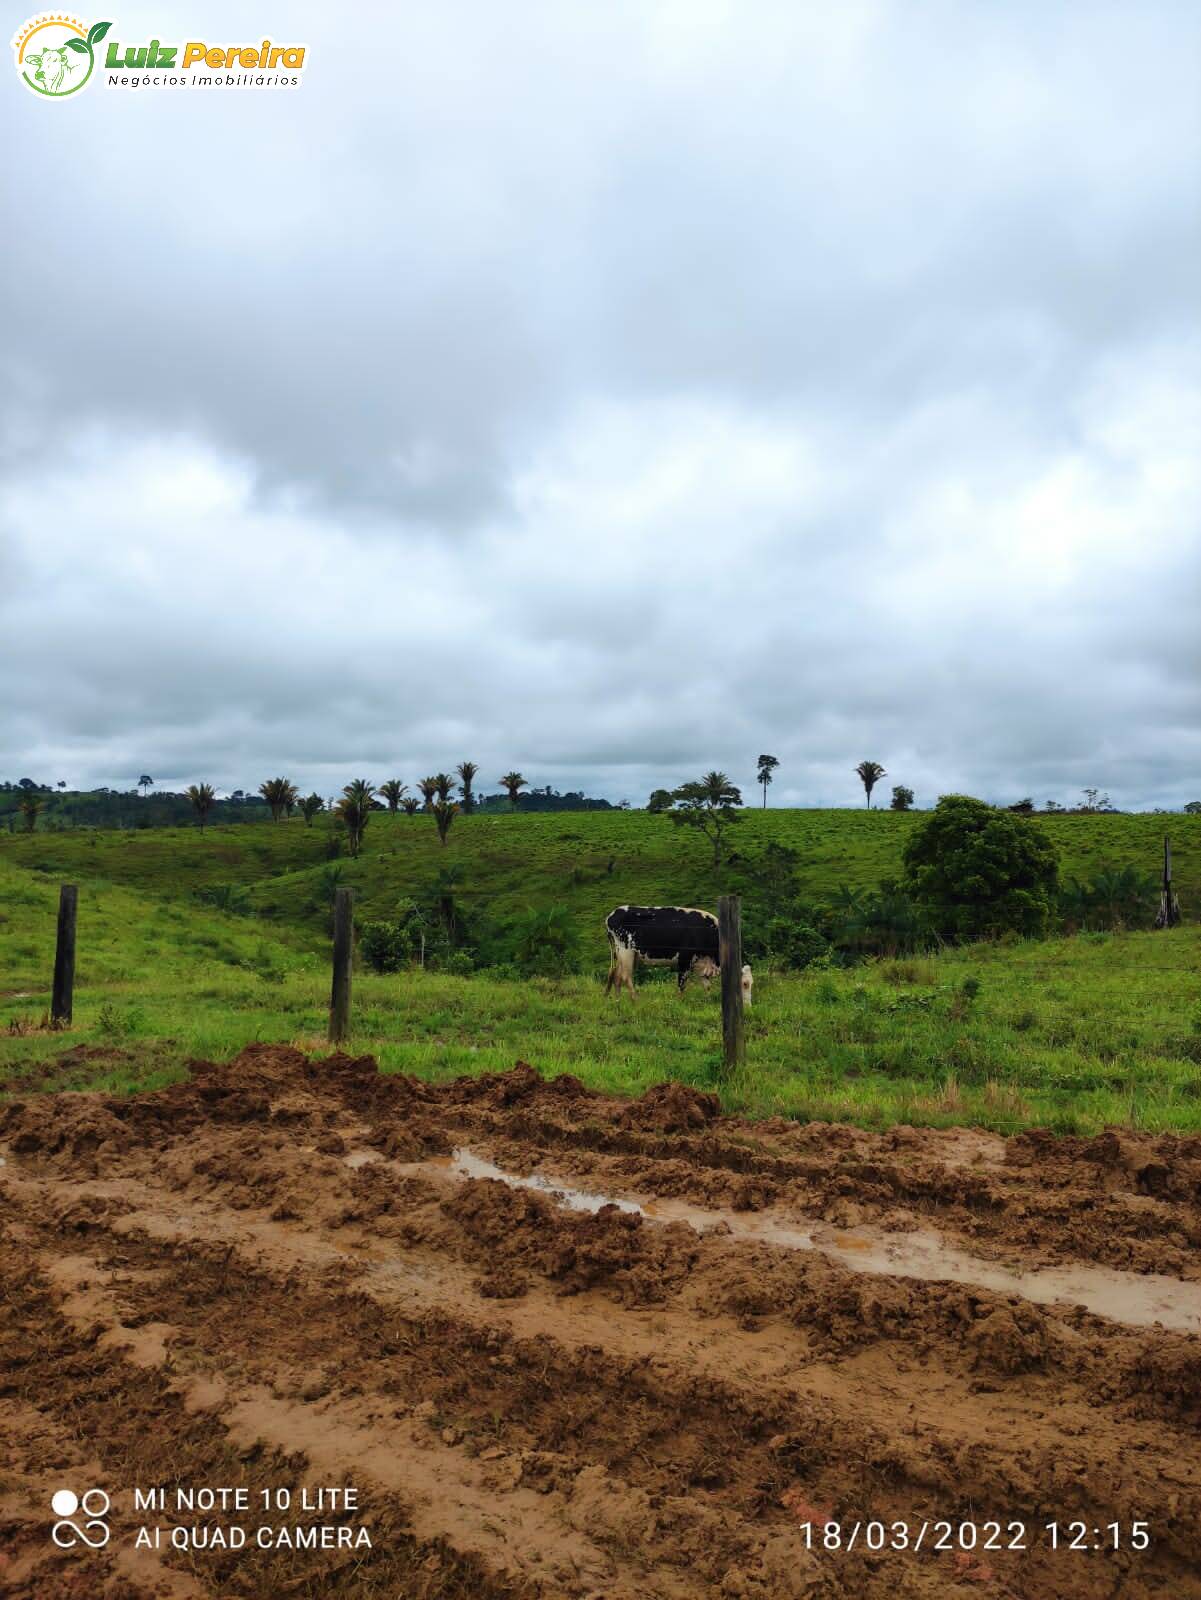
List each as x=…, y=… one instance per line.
x=393, y=792
x=870, y=773
x=443, y=784
x=410, y=804
x=145, y=782
x=513, y=781
x=280, y=795
x=353, y=810
x=445, y=812
x=467, y=773
x=710, y=805
x=767, y=765
x=429, y=790
x=443, y=892
x=1123, y=895
x=31, y=804
x=309, y=807
x=1075, y=904
x=201, y=795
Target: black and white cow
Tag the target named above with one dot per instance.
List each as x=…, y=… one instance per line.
x=665, y=936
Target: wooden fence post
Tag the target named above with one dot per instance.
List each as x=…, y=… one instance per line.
x=339, y=1002
x=729, y=935
x=64, y=958
x=1169, y=905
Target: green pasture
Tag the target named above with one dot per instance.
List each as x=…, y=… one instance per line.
x=1072, y=1034
x=586, y=861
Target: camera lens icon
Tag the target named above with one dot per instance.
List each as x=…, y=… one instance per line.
x=94, y=1504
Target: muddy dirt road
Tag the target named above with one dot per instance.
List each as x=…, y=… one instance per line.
x=292, y=1277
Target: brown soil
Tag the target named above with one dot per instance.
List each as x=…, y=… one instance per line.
x=281, y=1275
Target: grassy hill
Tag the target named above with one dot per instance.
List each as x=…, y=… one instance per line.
x=588, y=862
x=1068, y=1033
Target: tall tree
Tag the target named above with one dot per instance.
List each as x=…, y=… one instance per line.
x=309, y=807
x=709, y=806
x=767, y=765
x=280, y=795
x=202, y=796
x=443, y=784
x=145, y=782
x=870, y=773
x=393, y=792
x=513, y=782
x=445, y=812
x=467, y=771
x=353, y=810
x=429, y=790
x=978, y=872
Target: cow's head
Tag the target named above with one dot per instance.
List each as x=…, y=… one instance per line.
x=49, y=67
x=748, y=985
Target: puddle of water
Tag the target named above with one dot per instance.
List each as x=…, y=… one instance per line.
x=1138, y=1299
x=466, y=1165
x=362, y=1158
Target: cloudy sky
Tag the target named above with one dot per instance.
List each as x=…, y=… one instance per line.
x=614, y=390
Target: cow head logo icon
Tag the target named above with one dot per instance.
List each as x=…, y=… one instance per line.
x=56, y=54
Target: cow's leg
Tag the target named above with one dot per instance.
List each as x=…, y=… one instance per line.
x=683, y=970
x=621, y=970
x=624, y=959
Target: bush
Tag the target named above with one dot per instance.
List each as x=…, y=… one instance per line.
x=1116, y=897
x=882, y=922
x=385, y=946
x=457, y=962
x=501, y=972
x=546, y=943
x=978, y=872
x=899, y=972
x=794, y=945
x=115, y=1024
x=233, y=897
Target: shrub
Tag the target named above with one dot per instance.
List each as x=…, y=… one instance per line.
x=977, y=871
x=899, y=972
x=456, y=962
x=546, y=943
x=115, y=1024
x=794, y=945
x=385, y=946
x=233, y=897
x=1116, y=897
x=882, y=922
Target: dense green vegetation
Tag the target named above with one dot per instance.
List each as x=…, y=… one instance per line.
x=1067, y=1032
x=587, y=862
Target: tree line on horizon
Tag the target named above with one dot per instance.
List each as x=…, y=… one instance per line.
x=442, y=795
